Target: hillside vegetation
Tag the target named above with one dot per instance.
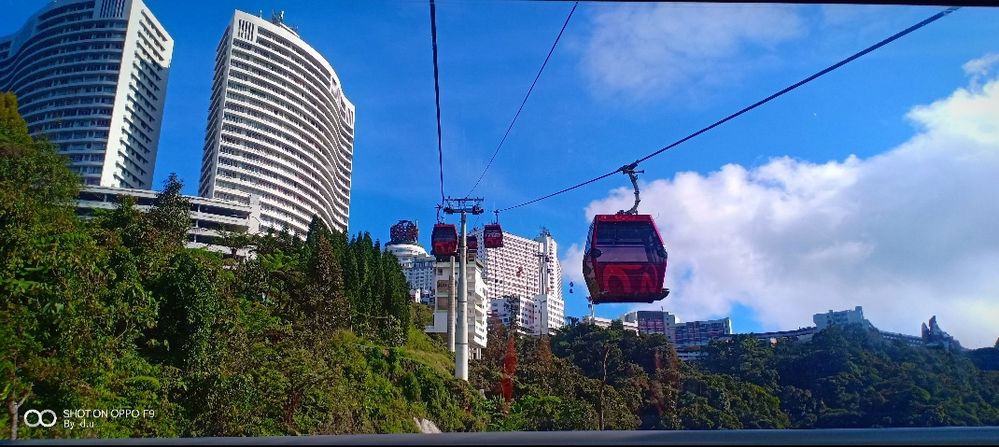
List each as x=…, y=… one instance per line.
x=586, y=377
x=308, y=337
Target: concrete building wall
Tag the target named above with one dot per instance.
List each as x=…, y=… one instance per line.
x=477, y=304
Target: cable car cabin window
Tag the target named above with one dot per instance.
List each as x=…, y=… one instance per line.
x=625, y=233
x=624, y=253
x=588, y=239
x=627, y=242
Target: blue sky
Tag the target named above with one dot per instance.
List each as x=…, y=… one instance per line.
x=626, y=80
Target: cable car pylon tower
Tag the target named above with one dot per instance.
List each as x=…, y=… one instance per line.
x=463, y=207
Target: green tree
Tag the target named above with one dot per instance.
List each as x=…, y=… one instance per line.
x=74, y=306
x=744, y=357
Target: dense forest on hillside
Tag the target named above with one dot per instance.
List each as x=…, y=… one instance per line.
x=307, y=337
x=586, y=377
x=318, y=336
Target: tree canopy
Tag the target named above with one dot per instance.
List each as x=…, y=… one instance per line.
x=310, y=336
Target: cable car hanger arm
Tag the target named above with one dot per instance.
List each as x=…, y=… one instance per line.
x=633, y=175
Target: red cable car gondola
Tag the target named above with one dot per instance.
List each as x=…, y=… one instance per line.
x=473, y=244
x=625, y=260
x=493, y=235
x=444, y=240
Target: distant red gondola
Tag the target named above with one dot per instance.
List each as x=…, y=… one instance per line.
x=444, y=240
x=624, y=261
x=473, y=244
x=493, y=235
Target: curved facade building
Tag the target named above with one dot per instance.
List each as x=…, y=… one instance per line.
x=279, y=127
x=91, y=76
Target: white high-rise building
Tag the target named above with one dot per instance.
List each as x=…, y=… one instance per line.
x=525, y=269
x=279, y=127
x=91, y=76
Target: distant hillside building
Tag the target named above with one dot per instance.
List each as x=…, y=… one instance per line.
x=700, y=333
x=689, y=338
x=841, y=318
x=772, y=337
x=606, y=323
x=934, y=337
x=910, y=340
x=529, y=270
x=931, y=336
x=517, y=312
x=691, y=333
x=652, y=322
x=417, y=265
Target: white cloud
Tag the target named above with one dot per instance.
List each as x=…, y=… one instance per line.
x=979, y=68
x=651, y=51
x=910, y=233
x=968, y=113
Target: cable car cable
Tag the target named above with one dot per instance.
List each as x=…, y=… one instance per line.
x=437, y=93
x=839, y=64
x=528, y=95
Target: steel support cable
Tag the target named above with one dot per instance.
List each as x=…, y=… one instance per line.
x=839, y=64
x=522, y=103
x=437, y=94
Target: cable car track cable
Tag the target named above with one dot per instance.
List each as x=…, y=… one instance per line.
x=522, y=103
x=822, y=72
x=437, y=94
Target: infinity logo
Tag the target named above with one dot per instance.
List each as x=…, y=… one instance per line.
x=39, y=418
